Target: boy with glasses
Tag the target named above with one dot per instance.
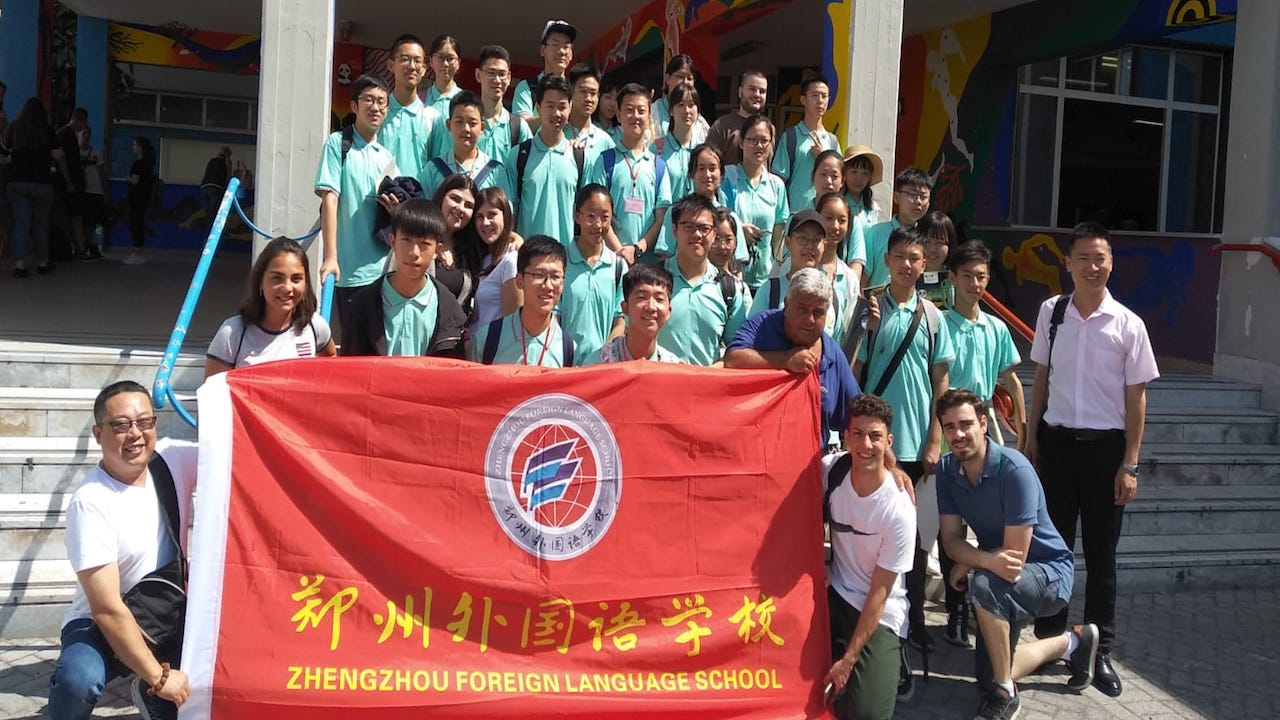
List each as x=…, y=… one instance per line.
x=502, y=131
x=531, y=335
x=556, y=51
x=351, y=166
x=409, y=124
x=580, y=129
x=911, y=191
x=803, y=142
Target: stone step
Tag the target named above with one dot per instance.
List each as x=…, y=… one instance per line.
x=1182, y=390
x=45, y=464
x=1210, y=425
x=33, y=526
x=1174, y=464
x=1203, y=510
x=1199, y=561
x=34, y=595
x=53, y=365
x=55, y=412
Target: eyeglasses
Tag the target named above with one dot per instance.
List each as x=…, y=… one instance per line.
x=373, y=102
x=497, y=74
x=122, y=426
x=697, y=229
x=757, y=141
x=556, y=45
x=446, y=59
x=543, y=278
x=916, y=196
x=411, y=60
x=807, y=239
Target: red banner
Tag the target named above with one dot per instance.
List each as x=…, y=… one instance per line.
x=406, y=536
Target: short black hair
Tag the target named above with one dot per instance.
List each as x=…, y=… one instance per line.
x=119, y=387
x=466, y=98
x=418, y=218
x=872, y=406
x=809, y=81
x=724, y=214
x=366, y=81
x=1088, y=231
x=646, y=274
x=690, y=205
x=970, y=252
x=957, y=397
x=912, y=177
x=407, y=39
x=830, y=198
x=630, y=89
x=551, y=83
x=582, y=70
x=536, y=246
x=904, y=236
x=937, y=224
x=493, y=52
x=588, y=191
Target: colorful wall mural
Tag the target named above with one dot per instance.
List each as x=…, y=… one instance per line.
x=177, y=45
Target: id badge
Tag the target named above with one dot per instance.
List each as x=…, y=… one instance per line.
x=931, y=278
x=634, y=205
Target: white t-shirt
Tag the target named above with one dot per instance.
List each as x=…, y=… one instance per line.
x=488, y=297
x=108, y=521
x=884, y=536
x=237, y=346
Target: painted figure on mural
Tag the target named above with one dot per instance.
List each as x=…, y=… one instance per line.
x=1028, y=266
x=671, y=38
x=618, y=53
x=1165, y=281
x=936, y=61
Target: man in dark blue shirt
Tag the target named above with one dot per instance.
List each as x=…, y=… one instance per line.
x=793, y=339
x=1022, y=570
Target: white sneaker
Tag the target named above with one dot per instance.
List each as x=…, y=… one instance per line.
x=135, y=259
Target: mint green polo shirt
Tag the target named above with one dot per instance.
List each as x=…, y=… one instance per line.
x=591, y=300
x=861, y=220
x=409, y=323
x=763, y=205
x=633, y=178
x=522, y=99
x=441, y=142
x=432, y=177
x=839, y=312
x=677, y=158
x=517, y=347
x=360, y=256
x=407, y=133
x=797, y=172
x=667, y=239
x=910, y=391
x=593, y=139
x=495, y=138
x=550, y=184
x=701, y=324
x=984, y=349
x=876, y=244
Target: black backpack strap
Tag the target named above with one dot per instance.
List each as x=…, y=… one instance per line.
x=348, y=137
x=775, y=293
x=167, y=496
x=486, y=171
x=580, y=159
x=1058, y=317
x=522, y=161
x=835, y=478
x=491, y=342
x=901, y=352
x=442, y=167
x=566, y=348
x=728, y=289
x=514, y=128
x=619, y=269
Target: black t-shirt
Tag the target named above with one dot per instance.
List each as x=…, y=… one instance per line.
x=70, y=145
x=33, y=157
x=140, y=194
x=215, y=172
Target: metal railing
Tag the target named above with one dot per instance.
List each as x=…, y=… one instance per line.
x=1266, y=249
x=1008, y=316
x=162, y=389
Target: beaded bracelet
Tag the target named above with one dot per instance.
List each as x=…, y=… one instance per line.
x=164, y=677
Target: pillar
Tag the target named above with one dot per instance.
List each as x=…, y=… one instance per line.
x=293, y=116
x=863, y=52
x=19, y=52
x=1248, y=346
x=92, y=78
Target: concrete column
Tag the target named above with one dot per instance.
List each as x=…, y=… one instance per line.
x=1249, y=286
x=866, y=50
x=19, y=52
x=293, y=115
x=92, y=78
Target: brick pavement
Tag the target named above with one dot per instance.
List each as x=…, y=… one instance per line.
x=1181, y=655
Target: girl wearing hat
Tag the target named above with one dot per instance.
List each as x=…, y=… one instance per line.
x=863, y=168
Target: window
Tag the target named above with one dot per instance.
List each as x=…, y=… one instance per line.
x=187, y=111
x=1127, y=137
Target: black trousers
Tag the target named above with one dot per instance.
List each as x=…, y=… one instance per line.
x=915, y=579
x=1079, y=482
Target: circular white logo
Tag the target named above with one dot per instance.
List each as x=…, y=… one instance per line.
x=553, y=473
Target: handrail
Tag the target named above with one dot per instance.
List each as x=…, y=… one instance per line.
x=1008, y=316
x=1264, y=248
x=162, y=389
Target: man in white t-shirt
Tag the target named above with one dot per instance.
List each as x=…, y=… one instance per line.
x=116, y=534
x=873, y=538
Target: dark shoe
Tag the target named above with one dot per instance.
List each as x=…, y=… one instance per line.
x=997, y=705
x=920, y=638
x=93, y=255
x=1105, y=678
x=906, y=680
x=1083, y=659
x=150, y=707
x=958, y=627
x=21, y=272
x=44, y=269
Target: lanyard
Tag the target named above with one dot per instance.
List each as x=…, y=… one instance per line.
x=524, y=342
x=633, y=169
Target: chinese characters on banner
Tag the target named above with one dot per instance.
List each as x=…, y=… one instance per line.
x=407, y=538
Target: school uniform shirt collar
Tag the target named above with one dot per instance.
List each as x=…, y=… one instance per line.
x=670, y=141
x=607, y=256
x=561, y=147
x=910, y=304
x=414, y=108
x=674, y=268
x=643, y=155
x=395, y=300
x=963, y=324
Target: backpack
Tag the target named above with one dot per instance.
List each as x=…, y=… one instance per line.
x=495, y=334
x=728, y=290
x=835, y=478
x=610, y=158
x=1059, y=315
x=348, y=137
x=926, y=311
x=485, y=172
x=522, y=161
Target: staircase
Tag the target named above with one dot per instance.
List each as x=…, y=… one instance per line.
x=46, y=447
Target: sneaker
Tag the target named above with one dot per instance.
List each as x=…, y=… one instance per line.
x=1083, y=658
x=906, y=680
x=920, y=638
x=44, y=269
x=150, y=707
x=20, y=272
x=997, y=705
x=135, y=259
x=958, y=627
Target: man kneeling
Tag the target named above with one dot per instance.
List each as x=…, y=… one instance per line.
x=1022, y=569
x=873, y=540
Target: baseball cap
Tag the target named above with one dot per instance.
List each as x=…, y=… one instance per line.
x=560, y=26
x=808, y=216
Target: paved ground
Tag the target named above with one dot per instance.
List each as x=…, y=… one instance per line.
x=1209, y=655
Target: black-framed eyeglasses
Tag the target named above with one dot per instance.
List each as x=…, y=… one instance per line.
x=122, y=425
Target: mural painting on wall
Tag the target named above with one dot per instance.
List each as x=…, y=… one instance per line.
x=177, y=45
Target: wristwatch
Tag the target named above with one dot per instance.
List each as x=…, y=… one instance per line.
x=1131, y=469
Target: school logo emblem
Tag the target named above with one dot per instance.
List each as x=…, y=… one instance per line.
x=553, y=473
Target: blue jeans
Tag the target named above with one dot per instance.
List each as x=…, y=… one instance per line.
x=84, y=667
x=31, y=203
x=1019, y=604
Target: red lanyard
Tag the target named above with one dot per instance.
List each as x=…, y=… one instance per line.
x=524, y=342
x=633, y=169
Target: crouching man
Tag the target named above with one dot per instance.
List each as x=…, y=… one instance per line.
x=1022, y=569
x=120, y=529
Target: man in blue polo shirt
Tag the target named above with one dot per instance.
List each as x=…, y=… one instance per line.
x=793, y=339
x=1022, y=569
